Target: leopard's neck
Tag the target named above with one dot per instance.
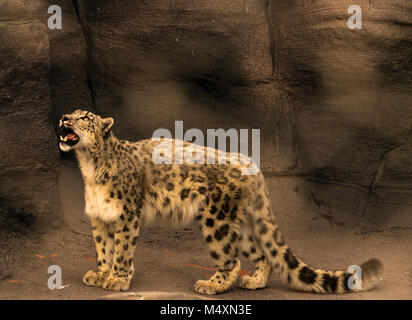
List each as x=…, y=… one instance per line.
x=96, y=160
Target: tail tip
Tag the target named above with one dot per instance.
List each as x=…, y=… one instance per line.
x=372, y=271
x=372, y=266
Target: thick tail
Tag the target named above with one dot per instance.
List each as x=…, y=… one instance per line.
x=303, y=277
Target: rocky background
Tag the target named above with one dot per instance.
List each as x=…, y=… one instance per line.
x=333, y=104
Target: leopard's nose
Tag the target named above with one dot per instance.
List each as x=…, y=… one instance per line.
x=63, y=119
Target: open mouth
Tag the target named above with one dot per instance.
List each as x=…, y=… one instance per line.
x=68, y=136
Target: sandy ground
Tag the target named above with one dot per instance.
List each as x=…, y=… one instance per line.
x=171, y=260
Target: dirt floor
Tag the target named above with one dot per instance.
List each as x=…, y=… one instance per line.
x=171, y=260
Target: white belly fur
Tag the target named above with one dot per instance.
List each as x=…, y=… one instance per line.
x=178, y=213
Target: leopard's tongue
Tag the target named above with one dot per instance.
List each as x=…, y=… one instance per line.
x=71, y=136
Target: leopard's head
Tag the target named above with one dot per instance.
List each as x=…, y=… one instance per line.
x=82, y=129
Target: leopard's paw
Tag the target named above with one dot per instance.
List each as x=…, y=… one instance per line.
x=116, y=284
x=209, y=287
x=93, y=278
x=251, y=283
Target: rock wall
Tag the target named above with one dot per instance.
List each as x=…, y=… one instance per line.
x=29, y=161
x=332, y=104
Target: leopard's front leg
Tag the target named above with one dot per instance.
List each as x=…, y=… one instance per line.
x=127, y=230
x=103, y=234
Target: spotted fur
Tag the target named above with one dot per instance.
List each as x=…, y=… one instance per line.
x=125, y=188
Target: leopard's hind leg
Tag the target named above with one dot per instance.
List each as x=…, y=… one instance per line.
x=221, y=234
x=252, y=250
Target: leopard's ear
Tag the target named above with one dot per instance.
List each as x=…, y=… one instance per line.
x=107, y=124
